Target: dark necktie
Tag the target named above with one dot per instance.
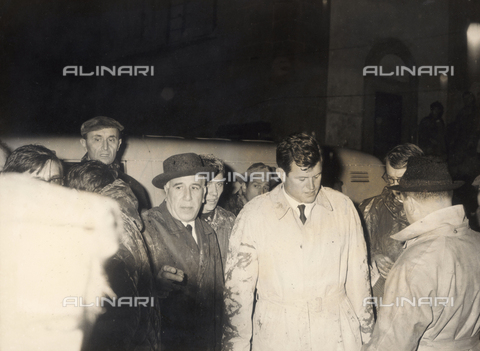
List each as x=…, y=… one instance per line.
x=302, y=213
x=190, y=230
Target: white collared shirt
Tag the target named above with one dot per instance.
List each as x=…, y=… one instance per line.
x=194, y=232
x=294, y=205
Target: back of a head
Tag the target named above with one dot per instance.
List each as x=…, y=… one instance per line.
x=29, y=158
x=90, y=176
x=300, y=148
x=426, y=196
x=399, y=155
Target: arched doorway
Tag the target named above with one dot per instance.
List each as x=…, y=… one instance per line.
x=390, y=102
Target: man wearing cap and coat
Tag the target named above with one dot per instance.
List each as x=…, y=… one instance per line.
x=101, y=139
x=431, y=299
x=186, y=258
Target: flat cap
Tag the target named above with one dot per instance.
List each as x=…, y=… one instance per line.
x=97, y=123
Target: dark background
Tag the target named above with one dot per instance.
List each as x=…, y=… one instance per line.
x=250, y=69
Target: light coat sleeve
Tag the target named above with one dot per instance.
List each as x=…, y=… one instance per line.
x=240, y=281
x=400, y=323
x=358, y=278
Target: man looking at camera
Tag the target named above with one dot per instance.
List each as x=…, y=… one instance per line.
x=101, y=139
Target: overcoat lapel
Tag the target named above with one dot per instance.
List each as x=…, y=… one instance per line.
x=204, y=236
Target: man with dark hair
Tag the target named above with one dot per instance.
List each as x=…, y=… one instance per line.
x=101, y=139
x=431, y=294
x=256, y=182
x=186, y=258
x=131, y=326
x=301, y=247
x=431, y=132
x=220, y=220
x=90, y=176
x=36, y=161
x=384, y=216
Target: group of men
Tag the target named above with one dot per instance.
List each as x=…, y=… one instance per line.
x=292, y=271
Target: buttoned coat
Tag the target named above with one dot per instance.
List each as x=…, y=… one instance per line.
x=311, y=279
x=191, y=314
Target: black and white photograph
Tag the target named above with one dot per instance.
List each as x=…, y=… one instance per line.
x=244, y=175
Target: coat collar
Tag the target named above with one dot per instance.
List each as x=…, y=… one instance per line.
x=175, y=226
x=441, y=222
x=115, y=165
x=281, y=204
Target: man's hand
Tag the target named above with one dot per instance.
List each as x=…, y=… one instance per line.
x=384, y=264
x=167, y=278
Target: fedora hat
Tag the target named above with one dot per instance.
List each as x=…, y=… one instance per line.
x=180, y=165
x=428, y=174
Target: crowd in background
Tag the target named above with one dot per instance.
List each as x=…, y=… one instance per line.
x=284, y=265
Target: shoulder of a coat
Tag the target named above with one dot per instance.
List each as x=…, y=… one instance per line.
x=257, y=204
x=336, y=197
x=153, y=214
x=363, y=205
x=427, y=256
x=225, y=213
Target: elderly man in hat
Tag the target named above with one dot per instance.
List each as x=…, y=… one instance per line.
x=101, y=139
x=185, y=257
x=431, y=299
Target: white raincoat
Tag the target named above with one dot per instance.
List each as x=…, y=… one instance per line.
x=311, y=279
x=432, y=299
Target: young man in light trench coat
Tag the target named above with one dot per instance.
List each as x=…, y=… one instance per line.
x=302, y=247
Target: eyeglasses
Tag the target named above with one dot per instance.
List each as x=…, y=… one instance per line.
x=390, y=180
